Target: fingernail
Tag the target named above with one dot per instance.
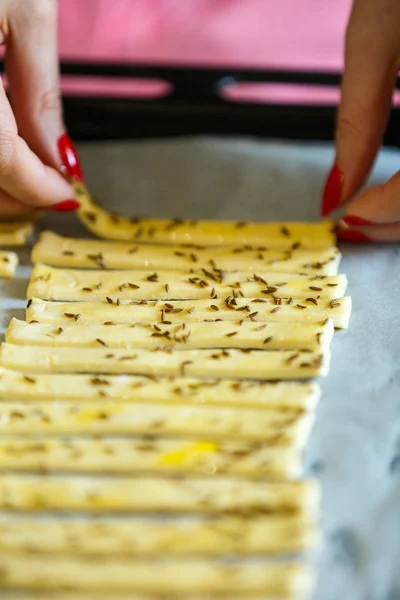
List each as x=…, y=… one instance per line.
x=357, y=237
x=66, y=206
x=69, y=157
x=356, y=221
x=332, y=191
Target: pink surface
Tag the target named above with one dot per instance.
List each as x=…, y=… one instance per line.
x=304, y=34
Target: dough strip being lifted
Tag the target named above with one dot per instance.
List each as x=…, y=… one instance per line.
x=116, y=455
x=52, y=283
x=146, y=536
x=146, y=494
x=58, y=251
x=104, y=417
x=210, y=233
x=280, y=580
x=257, y=310
x=275, y=336
x=284, y=395
x=235, y=364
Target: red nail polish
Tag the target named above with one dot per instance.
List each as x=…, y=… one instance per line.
x=65, y=206
x=356, y=221
x=332, y=191
x=357, y=237
x=69, y=157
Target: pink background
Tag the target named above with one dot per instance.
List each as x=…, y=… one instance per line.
x=306, y=34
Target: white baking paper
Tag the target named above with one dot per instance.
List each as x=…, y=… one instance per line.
x=355, y=447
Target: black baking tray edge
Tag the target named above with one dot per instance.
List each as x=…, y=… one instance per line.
x=195, y=105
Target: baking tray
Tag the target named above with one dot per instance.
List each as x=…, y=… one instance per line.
x=355, y=446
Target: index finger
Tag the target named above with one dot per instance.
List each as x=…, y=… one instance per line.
x=22, y=175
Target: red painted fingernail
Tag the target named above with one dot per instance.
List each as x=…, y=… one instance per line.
x=332, y=190
x=357, y=237
x=66, y=206
x=356, y=221
x=69, y=157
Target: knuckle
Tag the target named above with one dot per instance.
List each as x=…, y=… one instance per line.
x=50, y=100
x=7, y=152
x=348, y=129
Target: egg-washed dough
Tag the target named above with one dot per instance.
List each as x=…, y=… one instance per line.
x=15, y=233
x=51, y=283
x=275, y=336
x=149, y=494
x=235, y=364
x=101, y=595
x=143, y=455
x=284, y=580
x=275, y=428
x=146, y=536
x=52, y=249
x=283, y=395
x=211, y=233
x=8, y=264
x=258, y=310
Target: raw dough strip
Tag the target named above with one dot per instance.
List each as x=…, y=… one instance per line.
x=52, y=283
x=240, y=309
x=276, y=336
x=107, y=595
x=146, y=494
x=212, y=233
x=58, y=251
x=8, y=264
x=275, y=428
x=289, y=396
x=283, y=579
x=101, y=595
x=143, y=536
x=233, y=364
x=144, y=455
x=15, y=233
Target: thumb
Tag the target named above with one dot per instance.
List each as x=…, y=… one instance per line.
x=371, y=61
x=374, y=215
x=32, y=71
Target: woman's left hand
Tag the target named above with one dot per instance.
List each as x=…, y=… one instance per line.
x=372, y=61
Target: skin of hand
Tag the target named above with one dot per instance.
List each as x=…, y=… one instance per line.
x=372, y=60
x=33, y=144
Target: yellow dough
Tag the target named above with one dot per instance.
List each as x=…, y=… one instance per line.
x=144, y=455
x=15, y=233
x=276, y=428
x=256, y=310
x=164, y=576
x=212, y=233
x=8, y=264
x=288, y=396
x=101, y=595
x=236, y=364
x=58, y=251
x=277, y=336
x=141, y=536
x=52, y=283
x=150, y=494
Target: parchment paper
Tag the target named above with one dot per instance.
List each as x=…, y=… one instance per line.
x=355, y=447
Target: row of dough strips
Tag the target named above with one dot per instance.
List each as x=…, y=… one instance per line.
x=155, y=408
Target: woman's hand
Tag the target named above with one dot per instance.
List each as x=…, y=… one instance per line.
x=33, y=145
x=371, y=63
